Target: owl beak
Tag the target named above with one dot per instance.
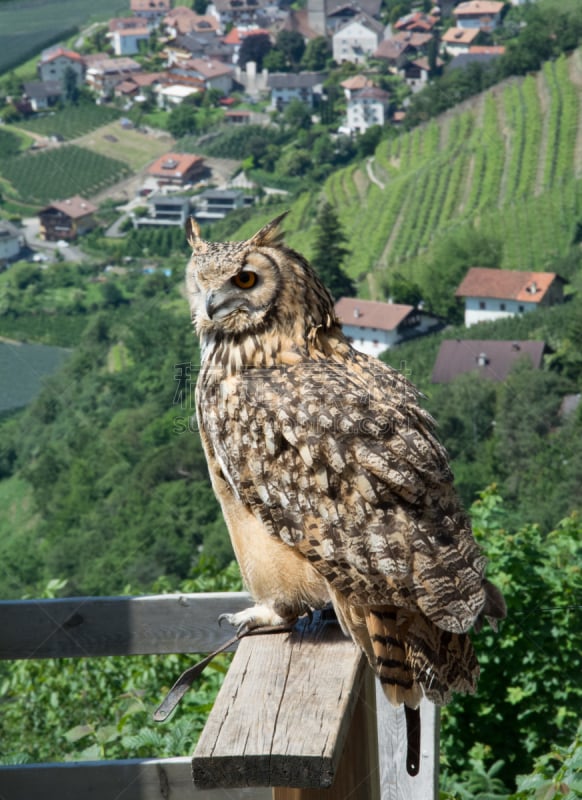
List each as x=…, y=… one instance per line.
x=211, y=304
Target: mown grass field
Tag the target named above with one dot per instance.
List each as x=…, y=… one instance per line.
x=27, y=28
x=128, y=145
x=508, y=162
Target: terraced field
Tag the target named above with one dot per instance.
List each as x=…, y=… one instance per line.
x=509, y=162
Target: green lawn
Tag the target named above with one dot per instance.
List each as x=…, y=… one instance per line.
x=134, y=148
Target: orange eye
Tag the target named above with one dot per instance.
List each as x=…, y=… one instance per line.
x=245, y=279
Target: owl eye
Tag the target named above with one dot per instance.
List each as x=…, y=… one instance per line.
x=245, y=279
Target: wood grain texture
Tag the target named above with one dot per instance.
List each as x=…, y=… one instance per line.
x=284, y=712
x=357, y=777
x=154, y=779
x=396, y=783
x=110, y=626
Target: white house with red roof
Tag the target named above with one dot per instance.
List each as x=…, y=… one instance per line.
x=177, y=169
x=490, y=294
x=214, y=74
x=457, y=41
x=373, y=327
x=55, y=62
x=482, y=14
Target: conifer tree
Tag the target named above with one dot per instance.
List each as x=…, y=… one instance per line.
x=330, y=252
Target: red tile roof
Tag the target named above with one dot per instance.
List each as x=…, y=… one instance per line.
x=505, y=284
x=61, y=51
x=174, y=164
x=371, y=314
x=490, y=359
x=460, y=35
x=474, y=8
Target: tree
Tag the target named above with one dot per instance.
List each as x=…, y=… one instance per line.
x=297, y=115
x=182, y=120
x=316, y=55
x=292, y=45
x=254, y=48
x=369, y=140
x=330, y=252
x=71, y=86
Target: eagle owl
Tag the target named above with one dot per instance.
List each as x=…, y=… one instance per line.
x=332, y=483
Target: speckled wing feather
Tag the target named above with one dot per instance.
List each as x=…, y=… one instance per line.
x=357, y=482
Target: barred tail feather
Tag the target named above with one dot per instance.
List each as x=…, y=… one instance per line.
x=414, y=658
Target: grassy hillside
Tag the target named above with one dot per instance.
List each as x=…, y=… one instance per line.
x=507, y=163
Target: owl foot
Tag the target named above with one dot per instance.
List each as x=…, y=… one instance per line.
x=259, y=616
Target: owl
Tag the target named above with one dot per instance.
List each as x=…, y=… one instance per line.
x=332, y=483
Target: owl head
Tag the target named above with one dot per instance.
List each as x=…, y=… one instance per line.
x=253, y=286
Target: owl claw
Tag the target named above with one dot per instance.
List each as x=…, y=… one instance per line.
x=259, y=616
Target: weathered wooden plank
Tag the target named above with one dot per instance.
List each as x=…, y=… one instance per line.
x=109, y=626
x=357, y=774
x=150, y=779
x=395, y=782
x=284, y=711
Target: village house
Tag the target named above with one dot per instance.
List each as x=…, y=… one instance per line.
x=485, y=358
x=237, y=12
x=373, y=327
x=213, y=74
x=178, y=170
x=395, y=52
x=57, y=62
x=11, y=241
x=357, y=39
x=165, y=211
x=416, y=72
x=174, y=94
x=494, y=293
x=287, y=86
x=128, y=41
x=338, y=12
x=181, y=21
x=42, y=94
x=417, y=21
x=355, y=84
x=133, y=87
x=104, y=73
x=152, y=10
x=365, y=108
x=214, y=204
x=485, y=15
x=66, y=219
x=456, y=41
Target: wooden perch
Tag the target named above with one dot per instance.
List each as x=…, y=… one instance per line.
x=295, y=710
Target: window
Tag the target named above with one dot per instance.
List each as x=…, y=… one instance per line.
x=502, y=307
x=482, y=305
x=521, y=309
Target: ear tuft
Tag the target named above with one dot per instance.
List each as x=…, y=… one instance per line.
x=270, y=233
x=193, y=234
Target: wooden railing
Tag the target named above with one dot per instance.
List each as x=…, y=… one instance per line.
x=299, y=712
